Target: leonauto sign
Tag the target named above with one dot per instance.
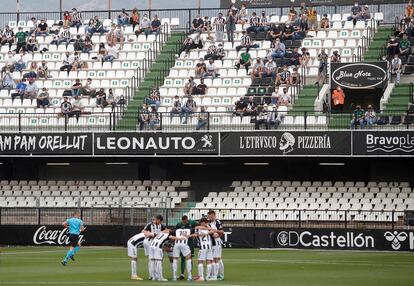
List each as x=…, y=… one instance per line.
x=359, y=75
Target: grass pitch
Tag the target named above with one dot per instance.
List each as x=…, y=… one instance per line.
x=102, y=266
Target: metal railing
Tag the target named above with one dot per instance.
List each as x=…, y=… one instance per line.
x=360, y=219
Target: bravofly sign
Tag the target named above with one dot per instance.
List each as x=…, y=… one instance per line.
x=383, y=143
x=156, y=143
x=286, y=143
x=344, y=239
x=359, y=75
x=54, y=236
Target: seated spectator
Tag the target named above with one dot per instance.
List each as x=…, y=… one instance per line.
x=153, y=118
x=240, y=106
x=31, y=90
x=65, y=107
x=356, y=12
x=176, y=108
x=295, y=77
x=370, y=117
x=97, y=27
x=305, y=57
x=275, y=32
x=88, y=45
x=358, y=117
x=312, y=19
x=338, y=99
x=405, y=46
x=32, y=44
x=111, y=99
x=20, y=64
x=197, y=42
x=279, y=49
x=365, y=14
x=76, y=88
x=32, y=71
x=155, y=26
x=200, y=68
x=42, y=100
x=88, y=89
x=283, y=77
x=145, y=25
x=409, y=10
x=79, y=43
x=270, y=69
x=42, y=28
x=20, y=90
x=43, y=70
x=272, y=117
x=123, y=18
x=189, y=107
x=134, y=19
x=201, y=88
x=77, y=107
x=7, y=37
x=264, y=25
x=197, y=25
x=67, y=62
x=189, y=87
x=154, y=98
x=143, y=117
x=34, y=26
x=258, y=68
x=336, y=57
x=211, y=69
x=325, y=22
x=220, y=54
x=293, y=57
x=393, y=47
x=90, y=29
x=186, y=47
x=254, y=23
x=211, y=53
x=101, y=98
x=10, y=62
x=111, y=54
x=7, y=81
x=251, y=107
x=242, y=16
x=67, y=19
x=323, y=67
x=396, y=66
x=288, y=32
x=118, y=37
x=284, y=97
x=245, y=61
x=64, y=37
x=262, y=117
x=76, y=18
x=246, y=42
x=202, y=119
x=20, y=40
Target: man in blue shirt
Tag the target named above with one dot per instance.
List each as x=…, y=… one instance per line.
x=75, y=225
x=20, y=89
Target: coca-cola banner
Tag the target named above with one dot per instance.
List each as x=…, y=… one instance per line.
x=359, y=75
x=287, y=143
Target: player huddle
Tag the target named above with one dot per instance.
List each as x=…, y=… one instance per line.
x=156, y=239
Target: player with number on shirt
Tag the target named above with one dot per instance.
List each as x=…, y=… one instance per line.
x=217, y=243
x=181, y=247
x=151, y=230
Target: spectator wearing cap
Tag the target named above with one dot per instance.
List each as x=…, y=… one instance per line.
x=123, y=18
x=370, y=117
x=42, y=28
x=42, y=99
x=197, y=25
x=202, y=119
x=356, y=12
x=338, y=99
x=244, y=60
x=20, y=89
x=188, y=108
x=219, y=24
x=76, y=18
x=324, y=23
x=200, y=68
x=358, y=117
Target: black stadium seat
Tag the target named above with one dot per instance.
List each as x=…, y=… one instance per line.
x=395, y=120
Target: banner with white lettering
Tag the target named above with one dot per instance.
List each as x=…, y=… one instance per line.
x=46, y=144
x=386, y=143
x=359, y=75
x=156, y=144
x=347, y=239
x=287, y=3
x=287, y=143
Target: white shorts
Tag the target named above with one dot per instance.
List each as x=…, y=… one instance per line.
x=132, y=250
x=170, y=254
x=181, y=248
x=217, y=249
x=205, y=254
x=146, y=244
x=156, y=253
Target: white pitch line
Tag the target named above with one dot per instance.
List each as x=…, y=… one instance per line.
x=63, y=249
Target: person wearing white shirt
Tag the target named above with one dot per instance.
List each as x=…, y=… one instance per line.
x=67, y=62
x=111, y=54
x=211, y=69
x=396, y=67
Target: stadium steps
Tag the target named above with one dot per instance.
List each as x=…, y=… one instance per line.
x=305, y=100
x=375, y=48
x=399, y=98
x=152, y=78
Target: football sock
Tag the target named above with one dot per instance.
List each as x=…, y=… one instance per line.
x=208, y=270
x=215, y=270
x=221, y=268
x=189, y=268
x=201, y=270
x=150, y=271
x=133, y=268
x=159, y=269
x=174, y=268
x=76, y=249
x=182, y=265
x=68, y=255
